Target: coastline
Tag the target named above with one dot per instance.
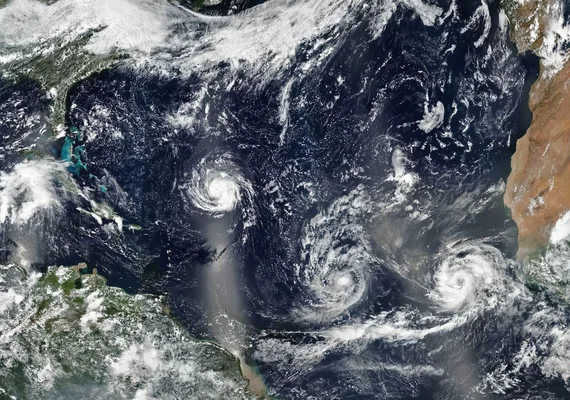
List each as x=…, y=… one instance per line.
x=535, y=192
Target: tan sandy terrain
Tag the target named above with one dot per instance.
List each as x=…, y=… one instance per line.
x=538, y=188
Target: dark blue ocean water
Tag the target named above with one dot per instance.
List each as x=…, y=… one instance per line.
x=334, y=128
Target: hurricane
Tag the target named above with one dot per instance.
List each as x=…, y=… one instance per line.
x=216, y=187
x=311, y=199
x=470, y=275
x=335, y=261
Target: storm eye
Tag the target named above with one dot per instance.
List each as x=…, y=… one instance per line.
x=343, y=280
x=223, y=192
x=216, y=186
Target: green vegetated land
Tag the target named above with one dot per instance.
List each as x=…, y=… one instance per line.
x=67, y=333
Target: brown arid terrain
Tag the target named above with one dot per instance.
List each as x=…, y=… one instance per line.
x=538, y=188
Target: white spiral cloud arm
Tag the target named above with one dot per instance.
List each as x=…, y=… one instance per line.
x=335, y=261
x=216, y=186
x=468, y=275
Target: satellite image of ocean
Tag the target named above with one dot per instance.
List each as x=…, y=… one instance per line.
x=284, y=199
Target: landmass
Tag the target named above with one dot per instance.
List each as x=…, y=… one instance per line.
x=66, y=334
x=537, y=189
x=89, y=326
x=61, y=62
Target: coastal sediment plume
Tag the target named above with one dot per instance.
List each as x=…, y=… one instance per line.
x=536, y=191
